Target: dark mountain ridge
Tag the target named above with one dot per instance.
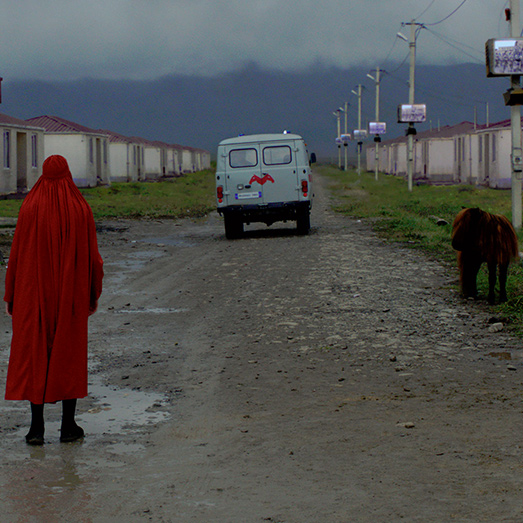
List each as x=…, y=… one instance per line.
x=201, y=111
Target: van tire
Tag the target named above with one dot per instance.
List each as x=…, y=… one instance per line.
x=233, y=227
x=303, y=222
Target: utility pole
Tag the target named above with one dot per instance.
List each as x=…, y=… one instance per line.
x=346, y=161
x=377, y=139
x=411, y=130
x=336, y=113
x=515, y=119
x=358, y=94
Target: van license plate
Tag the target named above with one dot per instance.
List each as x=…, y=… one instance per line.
x=246, y=195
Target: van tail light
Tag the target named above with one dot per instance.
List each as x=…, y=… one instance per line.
x=304, y=187
x=219, y=193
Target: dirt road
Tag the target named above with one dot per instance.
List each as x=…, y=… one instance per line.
x=329, y=378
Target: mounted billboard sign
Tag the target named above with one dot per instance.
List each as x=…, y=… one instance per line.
x=360, y=134
x=504, y=56
x=377, y=127
x=412, y=113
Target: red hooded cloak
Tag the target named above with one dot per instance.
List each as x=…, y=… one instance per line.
x=53, y=280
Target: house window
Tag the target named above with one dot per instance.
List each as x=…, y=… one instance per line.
x=91, y=150
x=7, y=149
x=455, y=150
x=480, y=148
x=134, y=154
x=34, y=150
x=463, y=149
x=105, y=151
x=493, y=147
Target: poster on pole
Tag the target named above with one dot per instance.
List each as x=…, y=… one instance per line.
x=359, y=134
x=412, y=113
x=377, y=127
x=504, y=56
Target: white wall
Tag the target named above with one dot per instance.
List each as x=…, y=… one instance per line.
x=76, y=149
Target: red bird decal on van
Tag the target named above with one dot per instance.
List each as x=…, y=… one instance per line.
x=261, y=181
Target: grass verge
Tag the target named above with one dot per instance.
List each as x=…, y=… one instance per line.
x=188, y=195
x=412, y=218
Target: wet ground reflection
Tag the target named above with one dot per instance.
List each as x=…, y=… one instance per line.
x=56, y=482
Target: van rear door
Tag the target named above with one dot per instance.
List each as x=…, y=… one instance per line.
x=278, y=172
x=243, y=167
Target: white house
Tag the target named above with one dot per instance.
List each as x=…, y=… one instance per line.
x=86, y=150
x=22, y=154
x=153, y=158
x=493, y=157
x=125, y=158
x=437, y=155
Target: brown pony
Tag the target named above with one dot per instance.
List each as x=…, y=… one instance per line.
x=479, y=237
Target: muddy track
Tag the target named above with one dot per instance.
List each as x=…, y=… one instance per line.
x=284, y=378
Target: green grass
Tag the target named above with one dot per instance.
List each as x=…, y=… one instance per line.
x=189, y=195
x=398, y=215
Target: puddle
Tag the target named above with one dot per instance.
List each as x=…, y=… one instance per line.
x=119, y=410
x=116, y=411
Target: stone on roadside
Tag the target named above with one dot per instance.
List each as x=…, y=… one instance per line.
x=496, y=327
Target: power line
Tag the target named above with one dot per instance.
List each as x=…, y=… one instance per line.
x=448, y=41
x=448, y=16
x=429, y=6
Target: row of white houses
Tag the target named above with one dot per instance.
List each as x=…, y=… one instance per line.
x=463, y=153
x=94, y=156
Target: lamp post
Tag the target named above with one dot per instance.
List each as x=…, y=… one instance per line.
x=337, y=114
x=515, y=118
x=377, y=137
x=358, y=94
x=411, y=131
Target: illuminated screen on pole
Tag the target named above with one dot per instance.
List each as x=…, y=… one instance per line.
x=504, y=56
x=377, y=127
x=359, y=134
x=345, y=138
x=415, y=113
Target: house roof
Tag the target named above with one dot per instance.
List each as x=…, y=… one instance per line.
x=11, y=120
x=55, y=124
x=447, y=131
x=117, y=137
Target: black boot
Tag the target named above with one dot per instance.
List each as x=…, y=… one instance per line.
x=69, y=431
x=35, y=436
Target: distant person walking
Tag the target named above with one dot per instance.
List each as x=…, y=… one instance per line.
x=53, y=282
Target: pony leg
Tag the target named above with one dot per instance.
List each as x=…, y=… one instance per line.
x=492, y=282
x=503, y=270
x=469, y=276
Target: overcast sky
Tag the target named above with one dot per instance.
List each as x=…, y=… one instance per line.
x=146, y=39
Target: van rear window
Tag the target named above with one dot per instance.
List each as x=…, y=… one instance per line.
x=278, y=155
x=243, y=158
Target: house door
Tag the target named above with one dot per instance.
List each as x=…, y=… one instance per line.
x=21, y=162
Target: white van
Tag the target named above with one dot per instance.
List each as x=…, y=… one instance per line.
x=263, y=178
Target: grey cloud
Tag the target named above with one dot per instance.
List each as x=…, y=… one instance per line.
x=68, y=39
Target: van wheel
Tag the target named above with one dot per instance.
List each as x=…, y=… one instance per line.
x=303, y=222
x=233, y=227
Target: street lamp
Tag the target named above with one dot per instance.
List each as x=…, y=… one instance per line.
x=337, y=114
x=377, y=138
x=358, y=94
x=411, y=131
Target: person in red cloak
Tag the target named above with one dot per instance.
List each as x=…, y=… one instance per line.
x=53, y=282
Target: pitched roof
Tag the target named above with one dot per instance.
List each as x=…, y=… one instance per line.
x=55, y=124
x=11, y=120
x=117, y=137
x=447, y=131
